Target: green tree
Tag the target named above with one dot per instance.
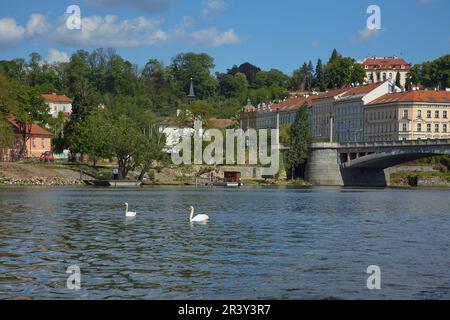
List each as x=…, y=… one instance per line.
x=319, y=77
x=432, y=74
x=298, y=140
x=271, y=78
x=398, y=80
x=334, y=56
x=6, y=134
x=232, y=86
x=31, y=109
x=92, y=137
x=187, y=66
x=153, y=143
x=343, y=72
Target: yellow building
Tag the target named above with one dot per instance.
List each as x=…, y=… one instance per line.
x=412, y=115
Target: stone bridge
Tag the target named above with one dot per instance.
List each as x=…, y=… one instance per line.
x=364, y=163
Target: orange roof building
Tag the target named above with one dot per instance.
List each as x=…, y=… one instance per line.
x=386, y=68
x=39, y=142
x=413, y=115
x=58, y=104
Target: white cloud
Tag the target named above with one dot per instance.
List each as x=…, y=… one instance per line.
x=212, y=37
x=146, y=5
x=10, y=32
x=213, y=7
x=37, y=25
x=365, y=34
x=56, y=56
x=109, y=31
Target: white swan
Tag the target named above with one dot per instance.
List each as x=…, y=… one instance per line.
x=198, y=218
x=129, y=214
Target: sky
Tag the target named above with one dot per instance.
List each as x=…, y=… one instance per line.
x=270, y=34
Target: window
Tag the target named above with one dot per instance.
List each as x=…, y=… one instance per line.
x=43, y=143
x=429, y=127
x=404, y=129
x=405, y=114
x=436, y=127
x=444, y=127
x=33, y=142
x=444, y=114
x=436, y=114
x=429, y=114
x=419, y=127
x=419, y=114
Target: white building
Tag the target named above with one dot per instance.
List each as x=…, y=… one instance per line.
x=349, y=118
x=322, y=111
x=380, y=69
x=58, y=104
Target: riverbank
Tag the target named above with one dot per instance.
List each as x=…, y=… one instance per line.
x=26, y=174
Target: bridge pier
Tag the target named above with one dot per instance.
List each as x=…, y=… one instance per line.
x=365, y=163
x=323, y=167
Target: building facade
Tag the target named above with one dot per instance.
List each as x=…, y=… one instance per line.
x=322, y=113
x=386, y=68
x=274, y=115
x=58, y=104
x=413, y=115
x=39, y=142
x=349, y=119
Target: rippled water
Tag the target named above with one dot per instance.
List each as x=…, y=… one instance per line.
x=259, y=243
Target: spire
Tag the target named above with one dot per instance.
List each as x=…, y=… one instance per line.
x=191, y=90
x=191, y=96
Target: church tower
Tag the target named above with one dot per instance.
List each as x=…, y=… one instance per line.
x=191, y=96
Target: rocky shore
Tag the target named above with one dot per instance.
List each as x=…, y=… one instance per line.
x=40, y=181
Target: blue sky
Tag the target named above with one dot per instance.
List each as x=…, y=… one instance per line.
x=271, y=34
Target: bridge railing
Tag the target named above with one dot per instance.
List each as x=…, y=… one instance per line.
x=400, y=143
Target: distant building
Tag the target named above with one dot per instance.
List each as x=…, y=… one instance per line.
x=322, y=111
x=40, y=142
x=247, y=117
x=266, y=116
x=386, y=68
x=341, y=110
x=413, y=115
x=349, y=121
x=58, y=104
x=174, y=131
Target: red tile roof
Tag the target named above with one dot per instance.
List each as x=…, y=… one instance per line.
x=386, y=63
x=361, y=90
x=213, y=122
x=330, y=94
x=35, y=129
x=56, y=98
x=221, y=123
x=292, y=104
x=414, y=96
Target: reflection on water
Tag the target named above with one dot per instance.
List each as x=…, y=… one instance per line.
x=259, y=243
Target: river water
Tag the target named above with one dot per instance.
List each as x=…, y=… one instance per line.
x=259, y=244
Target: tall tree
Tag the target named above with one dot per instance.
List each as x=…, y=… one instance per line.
x=334, y=56
x=298, y=140
x=319, y=79
x=31, y=108
x=398, y=80
x=343, y=72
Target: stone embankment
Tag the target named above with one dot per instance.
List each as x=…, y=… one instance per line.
x=40, y=181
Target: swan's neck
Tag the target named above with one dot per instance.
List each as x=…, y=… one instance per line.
x=192, y=214
x=126, y=208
